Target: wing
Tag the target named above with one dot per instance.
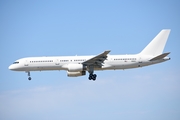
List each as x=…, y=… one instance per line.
x=97, y=60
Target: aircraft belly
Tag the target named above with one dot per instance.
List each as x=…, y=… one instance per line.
x=125, y=66
x=41, y=68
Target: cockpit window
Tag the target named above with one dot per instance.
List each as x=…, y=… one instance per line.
x=16, y=62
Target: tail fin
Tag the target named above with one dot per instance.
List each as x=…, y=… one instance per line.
x=156, y=46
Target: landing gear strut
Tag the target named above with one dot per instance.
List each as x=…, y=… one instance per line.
x=92, y=76
x=29, y=78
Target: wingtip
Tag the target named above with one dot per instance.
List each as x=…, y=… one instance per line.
x=107, y=51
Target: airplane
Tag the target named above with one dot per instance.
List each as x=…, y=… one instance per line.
x=79, y=65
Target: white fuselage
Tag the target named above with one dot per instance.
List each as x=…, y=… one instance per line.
x=58, y=63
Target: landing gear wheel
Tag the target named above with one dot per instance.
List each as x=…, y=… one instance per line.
x=95, y=75
x=92, y=77
x=29, y=78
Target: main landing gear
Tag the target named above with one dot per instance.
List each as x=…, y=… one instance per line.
x=92, y=76
x=29, y=78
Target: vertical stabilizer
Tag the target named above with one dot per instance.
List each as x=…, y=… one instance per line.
x=156, y=46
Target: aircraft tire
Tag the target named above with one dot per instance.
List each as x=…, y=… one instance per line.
x=29, y=78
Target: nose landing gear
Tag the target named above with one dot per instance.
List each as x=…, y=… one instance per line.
x=29, y=78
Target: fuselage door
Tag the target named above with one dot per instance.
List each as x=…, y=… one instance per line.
x=57, y=62
x=140, y=60
x=26, y=63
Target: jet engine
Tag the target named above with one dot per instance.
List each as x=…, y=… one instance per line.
x=75, y=67
x=76, y=74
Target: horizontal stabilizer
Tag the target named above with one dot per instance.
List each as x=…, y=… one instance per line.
x=160, y=56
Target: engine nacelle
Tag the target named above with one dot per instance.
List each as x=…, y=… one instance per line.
x=76, y=74
x=75, y=67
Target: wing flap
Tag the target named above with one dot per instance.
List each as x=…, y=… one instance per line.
x=97, y=60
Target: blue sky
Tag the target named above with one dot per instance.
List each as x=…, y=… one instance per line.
x=66, y=27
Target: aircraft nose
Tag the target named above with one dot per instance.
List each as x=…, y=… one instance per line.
x=11, y=67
